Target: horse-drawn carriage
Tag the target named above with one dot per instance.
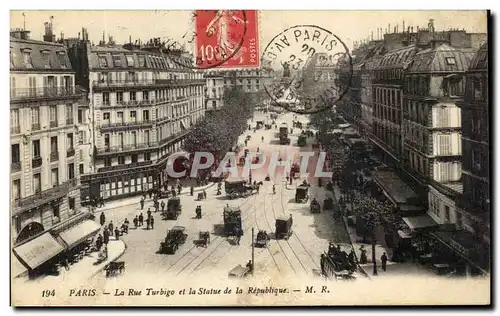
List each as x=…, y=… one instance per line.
x=232, y=221
x=328, y=204
x=339, y=262
x=302, y=194
x=238, y=188
x=302, y=140
x=175, y=237
x=174, y=208
x=283, y=227
x=261, y=239
x=315, y=206
x=203, y=239
x=114, y=267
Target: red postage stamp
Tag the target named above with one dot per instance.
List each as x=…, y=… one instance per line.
x=227, y=39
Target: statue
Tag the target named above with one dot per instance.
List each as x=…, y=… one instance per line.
x=286, y=69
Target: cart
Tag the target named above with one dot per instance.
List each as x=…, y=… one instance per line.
x=237, y=188
x=175, y=237
x=302, y=140
x=315, y=206
x=328, y=204
x=232, y=221
x=173, y=210
x=261, y=239
x=204, y=239
x=302, y=194
x=283, y=227
x=114, y=267
x=239, y=272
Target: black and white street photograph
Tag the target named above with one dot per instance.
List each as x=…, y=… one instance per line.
x=246, y=157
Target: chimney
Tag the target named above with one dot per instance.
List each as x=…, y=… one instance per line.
x=372, y=35
x=403, y=26
x=389, y=28
x=49, y=35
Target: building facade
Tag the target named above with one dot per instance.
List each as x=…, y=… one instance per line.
x=143, y=102
x=214, y=92
x=44, y=137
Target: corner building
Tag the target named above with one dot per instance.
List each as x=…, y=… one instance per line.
x=143, y=102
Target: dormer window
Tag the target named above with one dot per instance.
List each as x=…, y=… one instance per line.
x=103, y=62
x=28, y=62
x=142, y=61
x=61, y=56
x=450, y=61
x=130, y=61
x=117, y=60
x=46, y=58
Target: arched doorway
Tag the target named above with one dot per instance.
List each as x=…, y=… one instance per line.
x=29, y=230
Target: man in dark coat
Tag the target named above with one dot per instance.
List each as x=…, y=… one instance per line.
x=147, y=222
x=149, y=213
x=142, y=203
x=102, y=218
x=98, y=242
x=162, y=206
x=110, y=226
x=191, y=191
x=141, y=219
x=136, y=221
x=152, y=222
x=106, y=236
x=117, y=233
x=383, y=259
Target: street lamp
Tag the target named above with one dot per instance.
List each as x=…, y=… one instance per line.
x=374, y=256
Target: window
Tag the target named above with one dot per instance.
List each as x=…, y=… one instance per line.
x=105, y=98
x=145, y=95
x=447, y=213
x=142, y=61
x=134, y=138
x=121, y=160
x=107, y=162
x=81, y=168
x=11, y=59
x=16, y=189
x=103, y=62
x=69, y=114
x=146, y=137
x=119, y=97
x=145, y=115
x=80, y=116
x=147, y=156
x=120, y=140
x=119, y=116
x=134, y=158
x=444, y=144
x=28, y=62
x=70, y=141
x=130, y=61
x=71, y=203
x=450, y=60
x=476, y=160
x=133, y=115
x=37, y=184
x=53, y=144
x=55, y=177
x=56, y=211
x=106, y=141
x=14, y=121
x=35, y=118
x=81, y=137
x=36, y=148
x=71, y=171
x=61, y=56
x=132, y=96
x=16, y=153
x=106, y=116
x=117, y=60
x=459, y=220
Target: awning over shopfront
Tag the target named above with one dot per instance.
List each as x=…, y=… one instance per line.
x=39, y=250
x=404, y=234
x=76, y=234
x=395, y=189
x=16, y=267
x=419, y=222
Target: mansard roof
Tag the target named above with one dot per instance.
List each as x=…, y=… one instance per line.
x=45, y=56
x=442, y=58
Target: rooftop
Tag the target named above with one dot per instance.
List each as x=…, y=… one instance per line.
x=443, y=58
x=480, y=59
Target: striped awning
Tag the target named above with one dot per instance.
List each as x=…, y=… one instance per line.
x=76, y=234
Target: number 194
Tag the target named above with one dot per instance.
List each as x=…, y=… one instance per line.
x=48, y=293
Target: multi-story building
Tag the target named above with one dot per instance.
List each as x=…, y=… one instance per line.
x=318, y=77
x=143, y=101
x=45, y=199
x=214, y=94
x=250, y=80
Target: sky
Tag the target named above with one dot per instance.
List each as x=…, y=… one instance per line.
x=347, y=25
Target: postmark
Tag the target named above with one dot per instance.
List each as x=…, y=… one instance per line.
x=307, y=56
x=222, y=39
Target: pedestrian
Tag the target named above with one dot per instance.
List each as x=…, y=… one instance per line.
x=142, y=203
x=105, y=236
x=383, y=258
x=191, y=190
x=204, y=194
x=179, y=189
x=141, y=219
x=102, y=201
x=110, y=226
x=126, y=222
x=362, y=258
x=152, y=222
x=162, y=206
x=117, y=233
x=150, y=193
x=98, y=242
x=136, y=221
x=102, y=219
x=147, y=222
x=149, y=212
x=291, y=179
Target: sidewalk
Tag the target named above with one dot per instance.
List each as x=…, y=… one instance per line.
x=135, y=199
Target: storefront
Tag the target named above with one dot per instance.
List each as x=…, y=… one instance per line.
x=78, y=233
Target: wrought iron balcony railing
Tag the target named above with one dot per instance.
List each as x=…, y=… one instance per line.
x=41, y=92
x=126, y=147
x=147, y=123
x=15, y=166
x=35, y=127
x=69, y=121
x=53, y=124
x=42, y=197
x=54, y=156
x=70, y=152
x=119, y=83
x=36, y=162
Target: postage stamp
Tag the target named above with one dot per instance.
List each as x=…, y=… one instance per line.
x=308, y=55
x=227, y=39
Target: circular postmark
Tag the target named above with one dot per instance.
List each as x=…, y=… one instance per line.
x=216, y=36
x=308, y=57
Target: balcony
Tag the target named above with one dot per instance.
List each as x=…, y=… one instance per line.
x=127, y=125
x=42, y=92
x=70, y=152
x=54, y=156
x=53, y=124
x=179, y=82
x=15, y=129
x=127, y=166
x=127, y=147
x=36, y=162
x=69, y=121
x=15, y=166
x=43, y=197
x=35, y=127
x=123, y=83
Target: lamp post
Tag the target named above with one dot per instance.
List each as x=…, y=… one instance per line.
x=374, y=256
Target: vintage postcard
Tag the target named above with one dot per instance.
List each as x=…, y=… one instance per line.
x=249, y=158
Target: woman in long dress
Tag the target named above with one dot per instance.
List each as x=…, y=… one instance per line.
x=219, y=26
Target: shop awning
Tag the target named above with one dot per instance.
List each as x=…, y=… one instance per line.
x=39, y=250
x=16, y=267
x=79, y=233
x=404, y=234
x=419, y=222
